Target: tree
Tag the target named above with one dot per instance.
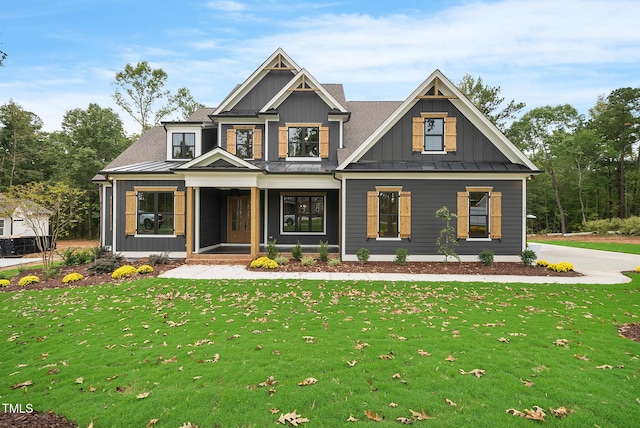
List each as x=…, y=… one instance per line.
x=447, y=240
x=543, y=132
x=60, y=201
x=140, y=90
x=487, y=99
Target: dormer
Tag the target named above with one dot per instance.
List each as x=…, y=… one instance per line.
x=184, y=140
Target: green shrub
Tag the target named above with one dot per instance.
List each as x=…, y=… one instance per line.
x=308, y=261
x=486, y=257
x=76, y=256
x=272, y=250
x=401, y=256
x=72, y=277
x=144, y=269
x=528, y=257
x=124, y=272
x=158, y=259
x=363, y=255
x=264, y=262
x=282, y=260
x=334, y=262
x=109, y=262
x=51, y=272
x=28, y=280
x=324, y=251
x=296, y=252
x=4, y=282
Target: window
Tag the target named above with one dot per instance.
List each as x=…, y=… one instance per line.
x=303, y=214
x=388, y=213
x=479, y=213
x=304, y=142
x=1, y=227
x=183, y=145
x=434, y=133
x=155, y=213
x=244, y=143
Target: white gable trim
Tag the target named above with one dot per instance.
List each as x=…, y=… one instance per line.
x=293, y=83
x=214, y=155
x=254, y=79
x=461, y=103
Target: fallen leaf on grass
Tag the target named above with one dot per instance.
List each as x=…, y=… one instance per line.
x=53, y=371
x=22, y=385
x=560, y=412
x=112, y=377
x=152, y=422
x=274, y=410
x=173, y=359
x=536, y=413
x=561, y=342
x=451, y=403
x=188, y=425
x=504, y=340
x=371, y=415
x=404, y=420
x=419, y=416
x=476, y=372
x=450, y=358
x=352, y=363
x=604, y=366
x=423, y=353
x=269, y=382
x=142, y=395
x=292, y=417
x=352, y=419
x=308, y=381
x=386, y=357
x=80, y=380
x=527, y=382
x=581, y=357
x=394, y=405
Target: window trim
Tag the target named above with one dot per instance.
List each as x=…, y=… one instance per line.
x=131, y=211
x=323, y=141
x=494, y=214
x=182, y=146
x=449, y=137
x=303, y=194
x=404, y=213
x=232, y=140
x=175, y=129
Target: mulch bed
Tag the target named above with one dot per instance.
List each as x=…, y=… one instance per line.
x=34, y=419
x=630, y=331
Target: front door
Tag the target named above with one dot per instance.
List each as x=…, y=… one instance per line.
x=239, y=219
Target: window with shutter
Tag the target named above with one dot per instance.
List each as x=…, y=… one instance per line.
x=388, y=213
x=155, y=211
x=434, y=133
x=479, y=213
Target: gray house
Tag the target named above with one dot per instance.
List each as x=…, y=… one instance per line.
x=286, y=158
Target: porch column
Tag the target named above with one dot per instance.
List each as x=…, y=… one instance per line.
x=189, y=228
x=255, y=221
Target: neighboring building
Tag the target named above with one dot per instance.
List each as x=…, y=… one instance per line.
x=285, y=158
x=20, y=225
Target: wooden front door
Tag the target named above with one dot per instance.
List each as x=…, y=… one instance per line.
x=239, y=219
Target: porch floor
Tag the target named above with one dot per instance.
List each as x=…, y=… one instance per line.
x=222, y=255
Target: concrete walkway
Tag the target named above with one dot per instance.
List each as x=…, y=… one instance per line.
x=598, y=267
x=6, y=262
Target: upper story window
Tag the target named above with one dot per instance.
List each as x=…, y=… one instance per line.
x=434, y=133
x=303, y=141
x=244, y=143
x=183, y=145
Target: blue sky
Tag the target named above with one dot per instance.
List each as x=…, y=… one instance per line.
x=64, y=54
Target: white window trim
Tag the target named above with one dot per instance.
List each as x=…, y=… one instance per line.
x=180, y=130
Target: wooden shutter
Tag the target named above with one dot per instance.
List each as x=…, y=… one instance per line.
x=372, y=214
x=283, y=141
x=231, y=141
x=418, y=134
x=130, y=213
x=405, y=214
x=179, y=213
x=257, y=143
x=495, y=215
x=463, y=215
x=450, y=134
x=324, y=142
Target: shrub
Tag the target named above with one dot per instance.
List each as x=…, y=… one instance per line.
x=4, y=282
x=264, y=262
x=109, y=262
x=363, y=255
x=308, y=261
x=334, y=262
x=486, y=257
x=401, y=256
x=51, y=272
x=528, y=256
x=144, y=269
x=447, y=240
x=158, y=259
x=75, y=256
x=28, y=280
x=124, y=272
x=72, y=277
x=272, y=250
x=324, y=251
x=542, y=263
x=282, y=260
x=296, y=252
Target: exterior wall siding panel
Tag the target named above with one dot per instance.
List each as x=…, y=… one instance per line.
x=264, y=91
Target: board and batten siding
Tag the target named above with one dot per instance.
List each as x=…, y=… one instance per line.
x=264, y=91
x=212, y=206
x=471, y=144
x=427, y=196
x=152, y=243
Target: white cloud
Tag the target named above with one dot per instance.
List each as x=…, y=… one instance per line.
x=226, y=5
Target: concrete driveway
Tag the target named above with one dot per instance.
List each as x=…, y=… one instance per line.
x=598, y=267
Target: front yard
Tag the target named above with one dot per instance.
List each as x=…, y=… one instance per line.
x=164, y=352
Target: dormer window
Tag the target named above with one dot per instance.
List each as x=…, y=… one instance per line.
x=183, y=145
x=303, y=141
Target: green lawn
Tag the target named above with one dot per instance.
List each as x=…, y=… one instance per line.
x=604, y=246
x=200, y=350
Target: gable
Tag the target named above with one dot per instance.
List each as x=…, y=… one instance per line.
x=217, y=158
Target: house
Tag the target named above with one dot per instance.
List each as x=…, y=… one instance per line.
x=286, y=158
x=21, y=223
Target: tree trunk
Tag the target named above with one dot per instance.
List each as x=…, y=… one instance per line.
x=554, y=184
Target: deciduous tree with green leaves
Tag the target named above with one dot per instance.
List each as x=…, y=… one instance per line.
x=447, y=240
